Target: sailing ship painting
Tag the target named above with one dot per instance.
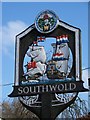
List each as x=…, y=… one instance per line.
x=58, y=66
x=36, y=67
x=39, y=66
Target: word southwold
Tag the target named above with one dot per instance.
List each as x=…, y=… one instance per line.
x=42, y=88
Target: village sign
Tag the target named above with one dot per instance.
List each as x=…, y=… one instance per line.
x=48, y=61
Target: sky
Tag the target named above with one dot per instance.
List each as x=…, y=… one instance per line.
x=17, y=16
x=45, y=0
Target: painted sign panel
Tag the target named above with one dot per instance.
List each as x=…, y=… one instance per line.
x=53, y=54
x=47, y=53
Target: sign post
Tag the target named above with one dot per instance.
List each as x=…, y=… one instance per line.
x=48, y=73
x=89, y=96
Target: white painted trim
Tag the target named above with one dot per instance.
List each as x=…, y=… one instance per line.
x=17, y=63
x=17, y=53
x=35, y=106
x=89, y=100
x=58, y=104
x=77, y=55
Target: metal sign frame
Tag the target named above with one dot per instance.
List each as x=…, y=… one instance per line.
x=47, y=100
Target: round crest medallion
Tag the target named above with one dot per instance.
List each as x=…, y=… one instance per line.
x=46, y=21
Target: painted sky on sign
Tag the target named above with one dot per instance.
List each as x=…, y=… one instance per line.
x=17, y=16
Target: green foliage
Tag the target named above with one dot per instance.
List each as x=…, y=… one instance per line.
x=41, y=23
x=52, y=21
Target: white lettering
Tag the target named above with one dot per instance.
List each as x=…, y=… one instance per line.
x=34, y=89
x=46, y=88
x=60, y=87
x=38, y=90
x=20, y=90
x=30, y=88
x=43, y=89
x=66, y=87
x=52, y=87
x=72, y=86
x=26, y=90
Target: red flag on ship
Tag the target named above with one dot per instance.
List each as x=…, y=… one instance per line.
x=41, y=39
x=65, y=37
x=31, y=65
x=57, y=54
x=35, y=42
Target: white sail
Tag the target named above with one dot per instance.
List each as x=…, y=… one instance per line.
x=63, y=48
x=37, y=53
x=40, y=68
x=61, y=56
x=62, y=65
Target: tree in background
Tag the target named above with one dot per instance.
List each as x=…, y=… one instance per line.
x=15, y=109
x=76, y=110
